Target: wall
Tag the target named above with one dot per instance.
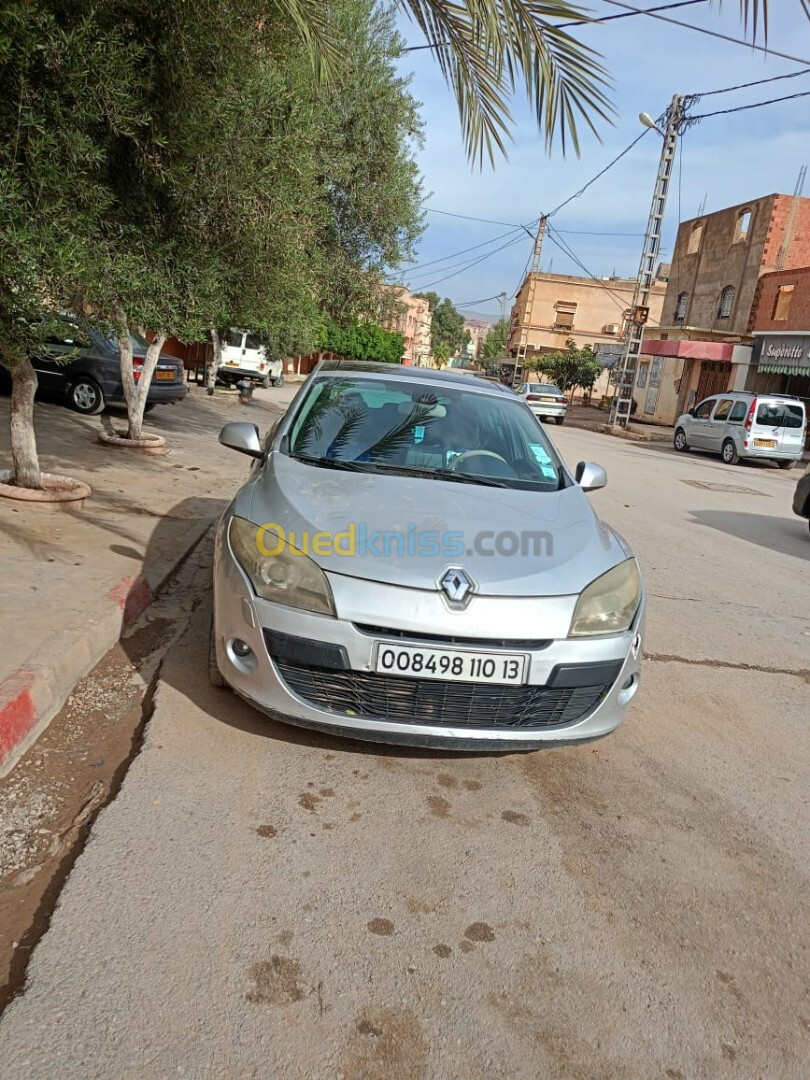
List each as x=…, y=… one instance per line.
x=767, y=291
x=720, y=261
x=599, y=303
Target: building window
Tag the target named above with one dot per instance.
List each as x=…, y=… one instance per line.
x=680, y=306
x=641, y=381
x=781, y=306
x=742, y=226
x=726, y=302
x=564, y=312
x=695, y=237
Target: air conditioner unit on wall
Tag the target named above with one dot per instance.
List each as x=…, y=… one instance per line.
x=611, y=328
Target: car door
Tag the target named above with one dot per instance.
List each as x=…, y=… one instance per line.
x=696, y=435
x=52, y=362
x=717, y=426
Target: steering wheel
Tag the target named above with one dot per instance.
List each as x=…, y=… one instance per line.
x=468, y=454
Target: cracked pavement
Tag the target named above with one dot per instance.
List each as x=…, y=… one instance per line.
x=262, y=902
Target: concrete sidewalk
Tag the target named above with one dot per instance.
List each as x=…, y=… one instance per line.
x=73, y=579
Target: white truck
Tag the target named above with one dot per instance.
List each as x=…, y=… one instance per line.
x=244, y=357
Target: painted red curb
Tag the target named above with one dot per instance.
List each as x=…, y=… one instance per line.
x=17, y=712
x=133, y=595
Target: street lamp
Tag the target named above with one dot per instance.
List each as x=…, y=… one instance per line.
x=648, y=122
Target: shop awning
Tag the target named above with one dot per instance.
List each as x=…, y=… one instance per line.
x=785, y=369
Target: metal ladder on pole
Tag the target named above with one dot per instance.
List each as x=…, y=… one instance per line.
x=523, y=344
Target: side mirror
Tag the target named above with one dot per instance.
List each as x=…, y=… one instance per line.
x=243, y=437
x=590, y=477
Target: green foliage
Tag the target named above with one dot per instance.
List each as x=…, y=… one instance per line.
x=494, y=347
x=447, y=326
x=441, y=353
x=361, y=341
x=574, y=367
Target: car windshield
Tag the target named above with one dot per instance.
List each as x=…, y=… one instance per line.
x=780, y=414
x=414, y=428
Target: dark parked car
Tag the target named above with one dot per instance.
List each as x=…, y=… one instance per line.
x=801, y=496
x=84, y=367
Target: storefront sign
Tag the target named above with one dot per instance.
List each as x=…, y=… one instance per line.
x=782, y=351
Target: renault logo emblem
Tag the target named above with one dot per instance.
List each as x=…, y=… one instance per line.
x=457, y=586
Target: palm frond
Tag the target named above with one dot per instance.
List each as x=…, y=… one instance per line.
x=754, y=12
x=485, y=47
x=309, y=17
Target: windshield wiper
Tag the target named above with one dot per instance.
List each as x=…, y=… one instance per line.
x=334, y=463
x=441, y=474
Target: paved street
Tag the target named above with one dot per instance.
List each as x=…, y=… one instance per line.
x=260, y=902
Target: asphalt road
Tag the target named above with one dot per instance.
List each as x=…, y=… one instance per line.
x=259, y=903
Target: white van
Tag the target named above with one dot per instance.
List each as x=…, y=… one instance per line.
x=740, y=425
x=244, y=357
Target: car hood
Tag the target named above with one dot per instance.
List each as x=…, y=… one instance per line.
x=561, y=544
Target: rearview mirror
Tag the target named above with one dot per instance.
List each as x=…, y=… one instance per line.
x=590, y=477
x=243, y=437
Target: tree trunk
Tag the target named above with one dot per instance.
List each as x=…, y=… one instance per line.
x=214, y=360
x=135, y=390
x=25, y=461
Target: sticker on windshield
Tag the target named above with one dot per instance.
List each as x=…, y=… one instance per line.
x=543, y=460
x=419, y=433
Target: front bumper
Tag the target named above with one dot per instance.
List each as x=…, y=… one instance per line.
x=292, y=672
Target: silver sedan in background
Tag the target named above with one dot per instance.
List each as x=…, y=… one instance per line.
x=410, y=561
x=545, y=400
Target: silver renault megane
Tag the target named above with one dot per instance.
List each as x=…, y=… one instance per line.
x=410, y=561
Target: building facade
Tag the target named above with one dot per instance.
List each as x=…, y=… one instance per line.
x=550, y=309
x=704, y=343
x=412, y=319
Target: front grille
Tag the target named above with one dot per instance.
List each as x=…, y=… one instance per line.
x=448, y=639
x=370, y=696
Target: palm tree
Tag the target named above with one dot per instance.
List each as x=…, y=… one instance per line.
x=485, y=48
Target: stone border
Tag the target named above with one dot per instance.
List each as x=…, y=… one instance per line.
x=147, y=444
x=56, y=490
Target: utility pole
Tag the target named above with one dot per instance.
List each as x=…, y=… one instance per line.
x=623, y=396
x=520, y=356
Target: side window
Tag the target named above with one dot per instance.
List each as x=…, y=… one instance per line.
x=726, y=302
x=723, y=409
x=703, y=411
x=71, y=336
x=741, y=226
x=738, y=413
x=234, y=339
x=695, y=237
x=781, y=306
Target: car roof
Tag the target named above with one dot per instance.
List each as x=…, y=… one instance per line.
x=407, y=372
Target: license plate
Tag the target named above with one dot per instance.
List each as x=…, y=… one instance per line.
x=548, y=399
x=231, y=363
x=164, y=375
x=451, y=665
x=764, y=442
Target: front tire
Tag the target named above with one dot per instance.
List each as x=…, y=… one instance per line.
x=786, y=464
x=679, y=442
x=85, y=396
x=729, y=452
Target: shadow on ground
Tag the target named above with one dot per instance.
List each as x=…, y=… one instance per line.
x=764, y=530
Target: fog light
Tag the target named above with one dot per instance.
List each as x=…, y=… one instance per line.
x=241, y=648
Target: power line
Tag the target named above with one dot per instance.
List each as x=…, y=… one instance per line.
x=744, y=108
x=582, y=22
x=463, y=262
x=464, y=251
x=469, y=266
x=468, y=217
x=709, y=33
x=756, y=82
x=601, y=173
x=566, y=250
x=472, y=303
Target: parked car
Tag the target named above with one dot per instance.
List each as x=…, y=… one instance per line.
x=801, y=496
x=739, y=425
x=545, y=400
x=361, y=587
x=83, y=366
x=244, y=357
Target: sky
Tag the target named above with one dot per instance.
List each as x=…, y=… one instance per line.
x=724, y=160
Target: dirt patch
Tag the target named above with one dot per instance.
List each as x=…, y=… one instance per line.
x=479, y=931
x=386, y=1043
x=308, y=801
x=446, y=780
x=267, y=831
x=514, y=818
x=443, y=951
x=276, y=982
x=383, y=927
x=438, y=806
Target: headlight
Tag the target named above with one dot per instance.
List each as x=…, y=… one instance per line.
x=289, y=577
x=609, y=604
